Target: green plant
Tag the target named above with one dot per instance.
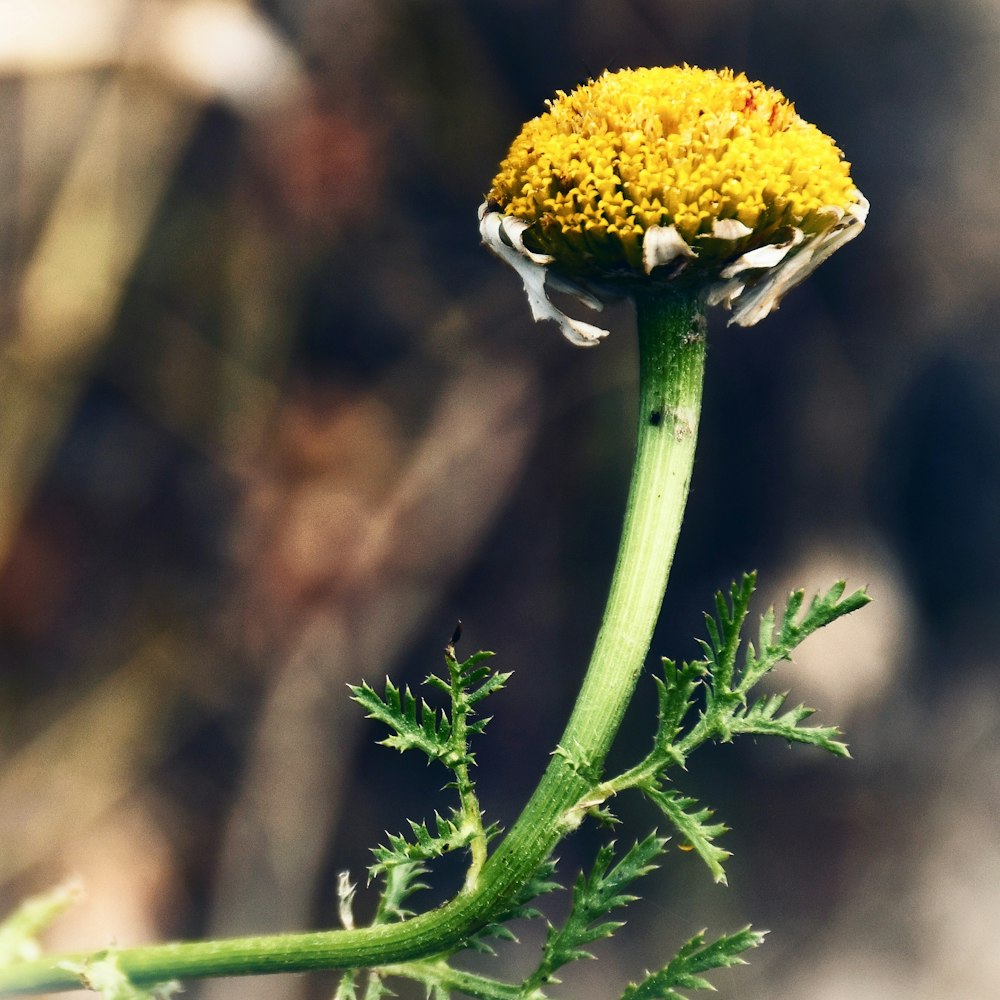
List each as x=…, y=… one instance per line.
x=699, y=236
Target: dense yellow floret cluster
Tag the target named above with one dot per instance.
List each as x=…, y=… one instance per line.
x=677, y=146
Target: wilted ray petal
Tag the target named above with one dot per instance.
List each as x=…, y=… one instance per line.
x=729, y=229
x=766, y=256
x=661, y=245
x=514, y=229
x=724, y=292
x=494, y=227
x=849, y=226
x=752, y=305
x=559, y=284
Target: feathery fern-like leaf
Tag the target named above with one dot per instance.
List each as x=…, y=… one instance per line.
x=762, y=719
x=416, y=725
x=695, y=957
x=594, y=897
x=694, y=826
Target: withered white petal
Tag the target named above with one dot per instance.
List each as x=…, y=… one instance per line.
x=514, y=229
x=661, y=245
x=587, y=297
x=835, y=210
x=507, y=243
x=724, y=292
x=847, y=227
x=766, y=256
x=729, y=229
x=760, y=297
x=751, y=286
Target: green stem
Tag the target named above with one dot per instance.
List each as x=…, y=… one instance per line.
x=468, y=800
x=671, y=364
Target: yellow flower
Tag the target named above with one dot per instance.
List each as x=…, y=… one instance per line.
x=696, y=177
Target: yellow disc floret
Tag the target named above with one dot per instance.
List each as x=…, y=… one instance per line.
x=673, y=147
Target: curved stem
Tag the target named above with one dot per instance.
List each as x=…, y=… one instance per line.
x=671, y=354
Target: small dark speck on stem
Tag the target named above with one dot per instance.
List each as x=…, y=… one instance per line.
x=655, y=418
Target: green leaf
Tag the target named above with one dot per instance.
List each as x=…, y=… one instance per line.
x=594, y=897
x=442, y=735
x=451, y=834
x=417, y=726
x=693, y=825
x=762, y=719
x=726, y=712
x=463, y=678
x=675, y=696
x=19, y=931
x=375, y=989
x=346, y=989
x=471, y=672
x=724, y=633
x=400, y=880
x=824, y=609
x=695, y=957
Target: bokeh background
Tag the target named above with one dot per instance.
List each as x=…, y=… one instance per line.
x=271, y=420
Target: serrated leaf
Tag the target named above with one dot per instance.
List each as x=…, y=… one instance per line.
x=451, y=834
x=400, y=881
x=417, y=726
x=375, y=988
x=695, y=957
x=765, y=633
x=675, y=697
x=761, y=718
x=724, y=632
x=442, y=735
x=823, y=610
x=603, y=816
x=594, y=896
x=726, y=712
x=346, y=989
x=467, y=675
x=494, y=683
x=693, y=825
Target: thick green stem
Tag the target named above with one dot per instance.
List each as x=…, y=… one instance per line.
x=672, y=352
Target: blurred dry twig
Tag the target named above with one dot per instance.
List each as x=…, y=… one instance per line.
x=70, y=288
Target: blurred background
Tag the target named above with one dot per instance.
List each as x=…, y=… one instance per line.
x=271, y=420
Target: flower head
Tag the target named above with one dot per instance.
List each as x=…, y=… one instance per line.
x=669, y=175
